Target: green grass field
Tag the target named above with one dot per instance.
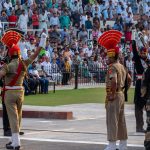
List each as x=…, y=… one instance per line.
x=65, y=97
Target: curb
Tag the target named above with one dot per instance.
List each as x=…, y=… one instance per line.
x=45, y=114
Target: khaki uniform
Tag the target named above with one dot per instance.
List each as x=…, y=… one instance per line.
x=13, y=98
x=115, y=118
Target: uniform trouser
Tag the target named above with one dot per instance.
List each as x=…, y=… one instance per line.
x=147, y=135
x=115, y=119
x=6, y=125
x=13, y=102
x=139, y=117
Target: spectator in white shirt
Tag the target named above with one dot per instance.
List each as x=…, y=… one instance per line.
x=43, y=21
x=88, y=8
x=145, y=36
x=94, y=5
x=1, y=4
x=124, y=14
x=31, y=44
x=111, y=8
x=89, y=51
x=96, y=11
x=30, y=3
x=23, y=21
x=119, y=8
x=129, y=19
x=104, y=10
x=129, y=9
x=145, y=8
x=23, y=48
x=7, y=5
x=54, y=20
x=83, y=34
x=138, y=5
x=75, y=6
x=83, y=18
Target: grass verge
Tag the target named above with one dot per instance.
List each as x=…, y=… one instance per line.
x=66, y=97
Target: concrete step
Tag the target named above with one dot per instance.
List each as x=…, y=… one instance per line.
x=46, y=114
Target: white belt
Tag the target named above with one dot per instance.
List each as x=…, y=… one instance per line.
x=139, y=77
x=14, y=87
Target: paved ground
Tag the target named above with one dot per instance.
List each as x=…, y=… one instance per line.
x=34, y=145
x=87, y=131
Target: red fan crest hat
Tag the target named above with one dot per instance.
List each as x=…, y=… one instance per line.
x=110, y=40
x=10, y=39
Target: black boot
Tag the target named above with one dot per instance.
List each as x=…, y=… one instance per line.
x=8, y=144
x=141, y=130
x=21, y=133
x=12, y=147
x=7, y=133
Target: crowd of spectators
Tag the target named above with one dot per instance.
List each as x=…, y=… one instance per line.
x=73, y=27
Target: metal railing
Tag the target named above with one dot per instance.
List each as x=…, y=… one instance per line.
x=83, y=76
x=77, y=77
x=5, y=25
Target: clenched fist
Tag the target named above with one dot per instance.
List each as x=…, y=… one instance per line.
x=43, y=40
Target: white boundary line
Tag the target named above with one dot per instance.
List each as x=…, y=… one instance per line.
x=38, y=132
x=70, y=141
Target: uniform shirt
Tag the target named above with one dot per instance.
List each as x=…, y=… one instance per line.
x=11, y=71
x=117, y=71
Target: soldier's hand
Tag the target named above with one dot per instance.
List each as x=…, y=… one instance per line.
x=43, y=40
x=143, y=91
x=43, y=35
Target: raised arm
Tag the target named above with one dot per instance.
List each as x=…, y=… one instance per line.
x=41, y=45
x=138, y=65
x=135, y=52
